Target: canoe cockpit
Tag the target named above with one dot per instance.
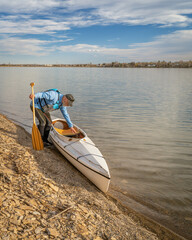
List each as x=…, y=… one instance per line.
x=62, y=128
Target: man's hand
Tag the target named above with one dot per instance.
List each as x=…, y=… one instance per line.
x=73, y=130
x=31, y=96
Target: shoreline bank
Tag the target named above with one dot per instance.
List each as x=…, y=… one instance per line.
x=42, y=196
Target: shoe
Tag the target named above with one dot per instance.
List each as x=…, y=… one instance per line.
x=47, y=144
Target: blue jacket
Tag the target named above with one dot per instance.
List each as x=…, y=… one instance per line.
x=52, y=98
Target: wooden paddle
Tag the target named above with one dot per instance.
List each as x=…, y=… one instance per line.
x=36, y=136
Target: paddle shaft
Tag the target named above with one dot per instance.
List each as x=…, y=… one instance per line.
x=32, y=90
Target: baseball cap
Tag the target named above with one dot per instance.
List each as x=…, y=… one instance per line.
x=70, y=98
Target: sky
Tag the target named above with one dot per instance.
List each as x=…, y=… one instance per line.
x=94, y=31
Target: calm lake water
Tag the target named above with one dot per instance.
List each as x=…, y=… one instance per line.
x=141, y=120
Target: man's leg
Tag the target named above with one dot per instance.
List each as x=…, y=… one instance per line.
x=47, y=126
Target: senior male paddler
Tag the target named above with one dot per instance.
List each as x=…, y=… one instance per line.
x=48, y=101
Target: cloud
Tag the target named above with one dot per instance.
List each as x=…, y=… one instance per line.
x=174, y=43
x=82, y=48
x=91, y=12
x=23, y=6
x=31, y=26
x=52, y=19
x=31, y=47
x=174, y=46
x=146, y=12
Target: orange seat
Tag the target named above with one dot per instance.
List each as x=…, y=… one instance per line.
x=66, y=132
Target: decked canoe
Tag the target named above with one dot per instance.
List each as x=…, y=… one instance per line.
x=81, y=152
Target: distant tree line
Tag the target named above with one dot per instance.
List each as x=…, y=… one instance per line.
x=158, y=64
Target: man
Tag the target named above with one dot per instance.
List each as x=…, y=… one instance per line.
x=48, y=101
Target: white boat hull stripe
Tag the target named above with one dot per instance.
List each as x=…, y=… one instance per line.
x=89, y=155
x=68, y=144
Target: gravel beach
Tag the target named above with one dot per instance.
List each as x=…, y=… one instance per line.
x=42, y=196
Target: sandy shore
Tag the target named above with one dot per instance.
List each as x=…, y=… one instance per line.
x=42, y=196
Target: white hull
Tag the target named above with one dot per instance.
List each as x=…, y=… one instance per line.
x=84, y=155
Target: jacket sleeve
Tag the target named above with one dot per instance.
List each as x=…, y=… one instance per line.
x=39, y=95
x=66, y=116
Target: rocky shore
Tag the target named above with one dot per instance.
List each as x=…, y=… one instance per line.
x=42, y=196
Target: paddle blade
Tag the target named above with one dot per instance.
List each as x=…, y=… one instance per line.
x=36, y=138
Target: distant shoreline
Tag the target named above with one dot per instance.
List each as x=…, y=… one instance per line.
x=159, y=64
